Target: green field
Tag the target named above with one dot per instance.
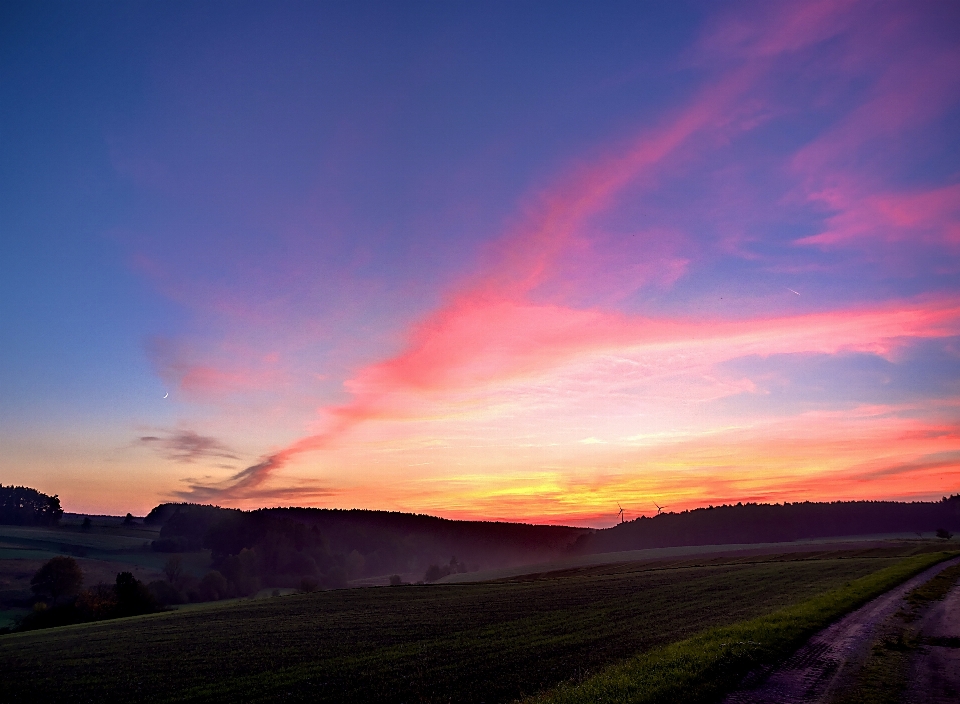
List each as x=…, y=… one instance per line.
x=100, y=540
x=102, y=551
x=488, y=642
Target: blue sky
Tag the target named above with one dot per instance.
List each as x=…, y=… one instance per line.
x=457, y=259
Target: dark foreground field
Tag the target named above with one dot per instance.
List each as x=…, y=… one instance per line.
x=488, y=642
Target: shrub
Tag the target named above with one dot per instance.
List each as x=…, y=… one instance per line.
x=308, y=584
x=165, y=593
x=212, y=587
x=133, y=597
x=435, y=572
x=60, y=576
x=173, y=569
x=97, y=602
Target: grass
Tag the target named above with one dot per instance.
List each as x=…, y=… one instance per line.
x=934, y=589
x=704, y=667
x=489, y=642
x=100, y=538
x=102, y=552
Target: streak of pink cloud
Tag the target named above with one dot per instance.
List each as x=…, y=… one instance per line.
x=931, y=216
x=493, y=343
x=493, y=329
x=774, y=29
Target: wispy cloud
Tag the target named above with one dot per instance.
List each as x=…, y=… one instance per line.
x=519, y=320
x=187, y=446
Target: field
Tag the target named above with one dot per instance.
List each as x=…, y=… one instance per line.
x=102, y=551
x=487, y=642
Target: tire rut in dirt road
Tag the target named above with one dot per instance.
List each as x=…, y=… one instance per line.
x=935, y=674
x=810, y=674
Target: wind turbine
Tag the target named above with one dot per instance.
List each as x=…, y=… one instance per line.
x=621, y=511
x=659, y=507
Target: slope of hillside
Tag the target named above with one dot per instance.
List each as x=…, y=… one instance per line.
x=492, y=642
x=773, y=523
x=289, y=543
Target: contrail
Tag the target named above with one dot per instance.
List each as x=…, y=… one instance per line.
x=791, y=290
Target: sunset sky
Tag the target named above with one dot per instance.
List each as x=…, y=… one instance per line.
x=515, y=261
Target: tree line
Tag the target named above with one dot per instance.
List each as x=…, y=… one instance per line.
x=774, y=523
x=324, y=548
x=61, y=599
x=23, y=506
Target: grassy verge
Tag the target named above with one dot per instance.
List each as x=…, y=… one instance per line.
x=705, y=666
x=882, y=679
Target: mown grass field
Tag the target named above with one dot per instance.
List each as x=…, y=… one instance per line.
x=489, y=642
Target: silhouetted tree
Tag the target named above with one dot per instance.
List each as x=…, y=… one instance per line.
x=128, y=520
x=87, y=523
x=944, y=533
x=97, y=602
x=173, y=569
x=435, y=572
x=212, y=587
x=59, y=576
x=165, y=593
x=133, y=597
x=23, y=506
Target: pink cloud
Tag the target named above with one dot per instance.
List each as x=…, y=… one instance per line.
x=476, y=348
x=202, y=380
x=931, y=216
x=771, y=30
x=911, y=92
x=505, y=323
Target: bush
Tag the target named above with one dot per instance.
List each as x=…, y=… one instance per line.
x=128, y=597
x=308, y=584
x=97, y=602
x=944, y=533
x=212, y=587
x=173, y=569
x=395, y=580
x=59, y=576
x=165, y=593
x=435, y=572
x=133, y=597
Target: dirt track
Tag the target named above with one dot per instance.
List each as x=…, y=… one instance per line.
x=811, y=674
x=935, y=673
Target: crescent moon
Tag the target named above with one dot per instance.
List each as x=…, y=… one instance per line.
x=166, y=394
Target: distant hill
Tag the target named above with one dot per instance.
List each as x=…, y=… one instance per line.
x=284, y=545
x=773, y=523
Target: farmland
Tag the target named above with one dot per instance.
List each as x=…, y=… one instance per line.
x=105, y=549
x=484, y=642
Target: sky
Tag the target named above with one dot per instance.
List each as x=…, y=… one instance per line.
x=516, y=261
